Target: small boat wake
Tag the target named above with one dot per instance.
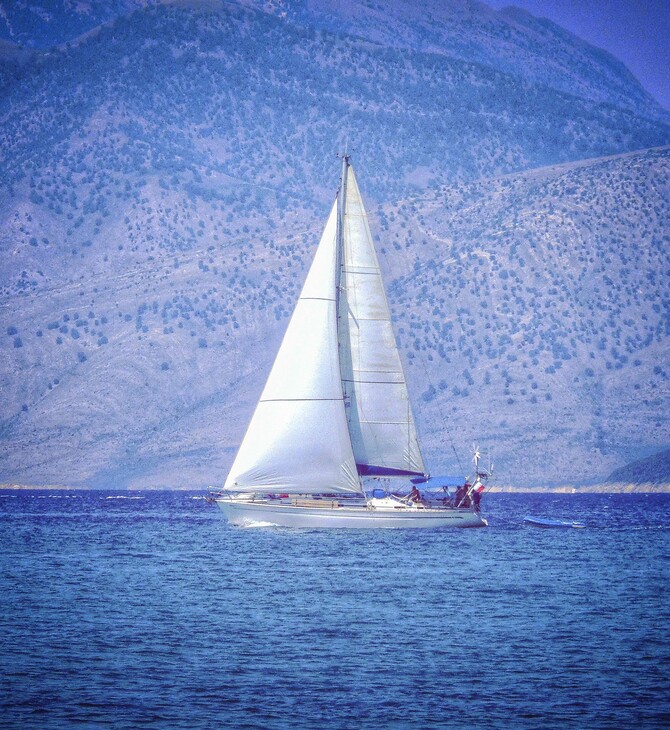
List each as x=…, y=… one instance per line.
x=250, y=524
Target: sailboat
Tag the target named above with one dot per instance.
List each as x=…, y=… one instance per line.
x=335, y=411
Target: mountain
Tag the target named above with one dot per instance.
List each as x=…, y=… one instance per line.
x=165, y=180
x=511, y=40
x=47, y=24
x=654, y=469
x=536, y=306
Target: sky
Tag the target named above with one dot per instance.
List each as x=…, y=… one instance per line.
x=637, y=32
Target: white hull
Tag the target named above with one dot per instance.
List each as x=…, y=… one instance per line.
x=245, y=513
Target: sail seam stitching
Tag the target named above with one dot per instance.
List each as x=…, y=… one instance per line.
x=373, y=382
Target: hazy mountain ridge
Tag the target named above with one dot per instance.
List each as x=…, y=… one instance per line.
x=83, y=131
x=39, y=25
x=510, y=40
x=655, y=469
x=169, y=177
x=179, y=103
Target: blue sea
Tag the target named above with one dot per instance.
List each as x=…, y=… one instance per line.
x=146, y=610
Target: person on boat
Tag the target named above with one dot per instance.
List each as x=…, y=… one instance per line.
x=414, y=495
x=462, y=499
x=477, y=498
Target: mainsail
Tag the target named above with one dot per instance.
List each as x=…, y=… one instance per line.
x=298, y=440
x=381, y=425
x=335, y=405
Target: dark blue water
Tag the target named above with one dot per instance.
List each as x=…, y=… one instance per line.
x=147, y=610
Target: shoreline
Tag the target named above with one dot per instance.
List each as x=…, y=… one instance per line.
x=622, y=488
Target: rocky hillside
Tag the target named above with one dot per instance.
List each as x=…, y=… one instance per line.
x=537, y=307
x=511, y=40
x=165, y=179
x=41, y=24
x=654, y=469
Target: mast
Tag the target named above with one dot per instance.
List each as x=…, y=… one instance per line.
x=341, y=205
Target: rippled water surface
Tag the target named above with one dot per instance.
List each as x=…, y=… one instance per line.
x=145, y=609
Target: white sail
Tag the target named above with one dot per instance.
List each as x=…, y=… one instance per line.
x=298, y=440
x=383, y=433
